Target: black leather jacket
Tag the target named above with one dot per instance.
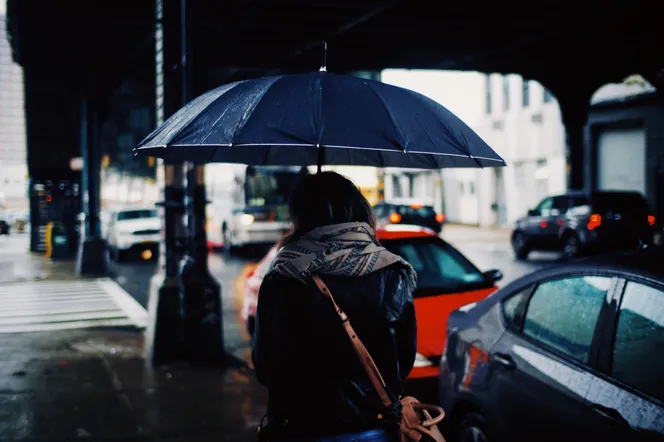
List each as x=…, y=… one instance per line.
x=317, y=386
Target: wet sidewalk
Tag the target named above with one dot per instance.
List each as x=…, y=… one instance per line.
x=18, y=264
x=94, y=385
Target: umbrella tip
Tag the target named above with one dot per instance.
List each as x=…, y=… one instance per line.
x=323, y=57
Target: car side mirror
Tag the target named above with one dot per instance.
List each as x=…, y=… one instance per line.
x=493, y=275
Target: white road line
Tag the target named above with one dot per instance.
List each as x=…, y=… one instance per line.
x=125, y=301
x=60, y=305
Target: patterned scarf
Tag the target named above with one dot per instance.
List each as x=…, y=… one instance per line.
x=348, y=249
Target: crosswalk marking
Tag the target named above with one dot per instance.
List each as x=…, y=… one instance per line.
x=61, y=305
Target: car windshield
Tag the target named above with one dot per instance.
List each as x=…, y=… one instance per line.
x=440, y=267
x=137, y=214
x=266, y=186
x=416, y=211
x=622, y=201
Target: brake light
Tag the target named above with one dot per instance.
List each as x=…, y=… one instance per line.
x=416, y=206
x=544, y=224
x=395, y=218
x=595, y=221
x=251, y=273
x=440, y=217
x=651, y=220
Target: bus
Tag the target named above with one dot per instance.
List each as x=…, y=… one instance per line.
x=248, y=205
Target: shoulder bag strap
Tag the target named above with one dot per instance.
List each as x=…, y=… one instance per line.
x=362, y=352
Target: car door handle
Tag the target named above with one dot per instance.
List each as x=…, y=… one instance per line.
x=610, y=414
x=504, y=360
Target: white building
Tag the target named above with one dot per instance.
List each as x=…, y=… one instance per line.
x=13, y=167
x=461, y=93
x=521, y=121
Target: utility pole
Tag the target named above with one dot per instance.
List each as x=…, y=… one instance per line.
x=200, y=292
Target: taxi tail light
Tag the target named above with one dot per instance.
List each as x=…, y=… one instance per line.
x=251, y=273
x=595, y=221
x=651, y=220
x=440, y=217
x=395, y=218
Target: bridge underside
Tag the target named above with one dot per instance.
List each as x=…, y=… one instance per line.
x=72, y=49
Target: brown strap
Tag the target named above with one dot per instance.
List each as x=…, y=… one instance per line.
x=362, y=352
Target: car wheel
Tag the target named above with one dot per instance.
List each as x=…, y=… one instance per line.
x=520, y=245
x=472, y=429
x=571, y=246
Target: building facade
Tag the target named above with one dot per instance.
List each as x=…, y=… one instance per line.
x=624, y=141
x=13, y=165
x=521, y=121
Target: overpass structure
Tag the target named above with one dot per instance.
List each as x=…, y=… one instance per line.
x=99, y=75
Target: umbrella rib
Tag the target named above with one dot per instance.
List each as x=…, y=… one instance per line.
x=389, y=114
x=179, y=131
x=247, y=113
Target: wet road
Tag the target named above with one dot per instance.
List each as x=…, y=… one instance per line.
x=486, y=248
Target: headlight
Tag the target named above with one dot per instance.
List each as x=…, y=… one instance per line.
x=421, y=361
x=246, y=219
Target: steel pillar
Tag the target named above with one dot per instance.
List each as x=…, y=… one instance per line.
x=92, y=256
x=203, y=331
x=164, y=341
x=201, y=293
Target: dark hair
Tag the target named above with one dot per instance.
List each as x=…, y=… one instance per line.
x=326, y=198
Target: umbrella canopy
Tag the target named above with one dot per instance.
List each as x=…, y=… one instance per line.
x=318, y=118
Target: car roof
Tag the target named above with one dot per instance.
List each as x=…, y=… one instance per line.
x=403, y=231
x=646, y=263
x=407, y=202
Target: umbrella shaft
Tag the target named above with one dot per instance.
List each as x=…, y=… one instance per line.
x=321, y=157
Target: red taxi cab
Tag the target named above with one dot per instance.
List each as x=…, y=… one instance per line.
x=447, y=280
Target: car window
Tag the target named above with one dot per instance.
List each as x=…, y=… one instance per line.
x=638, y=359
x=579, y=201
x=137, y=214
x=511, y=304
x=561, y=204
x=625, y=202
x=544, y=206
x=379, y=210
x=562, y=314
x=439, y=266
x=415, y=211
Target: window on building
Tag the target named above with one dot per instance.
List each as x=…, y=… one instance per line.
x=396, y=186
x=488, y=93
x=526, y=93
x=548, y=96
x=506, y=93
x=472, y=188
x=637, y=357
x=562, y=314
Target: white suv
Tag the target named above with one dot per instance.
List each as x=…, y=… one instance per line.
x=133, y=229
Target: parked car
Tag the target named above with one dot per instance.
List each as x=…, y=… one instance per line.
x=409, y=213
x=579, y=223
x=4, y=227
x=447, y=280
x=135, y=229
x=572, y=352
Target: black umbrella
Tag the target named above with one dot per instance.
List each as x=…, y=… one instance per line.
x=318, y=118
